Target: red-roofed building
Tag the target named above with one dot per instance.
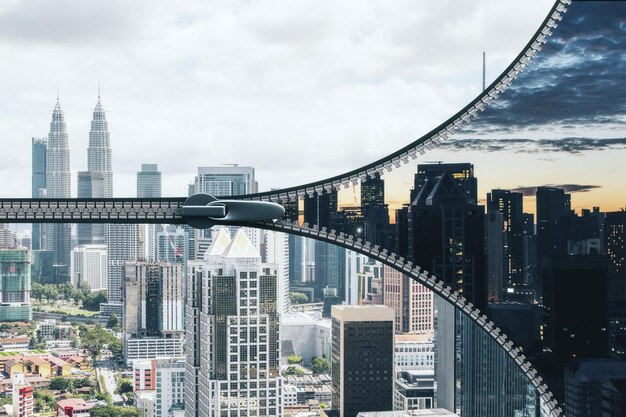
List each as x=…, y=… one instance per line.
x=74, y=407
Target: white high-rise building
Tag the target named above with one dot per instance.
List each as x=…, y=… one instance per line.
x=89, y=264
x=170, y=386
x=233, y=343
x=58, y=185
x=122, y=245
x=277, y=252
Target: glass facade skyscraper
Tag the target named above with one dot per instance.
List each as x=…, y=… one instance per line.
x=38, y=186
x=15, y=285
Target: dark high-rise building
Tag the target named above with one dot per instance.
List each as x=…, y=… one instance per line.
x=462, y=174
x=615, y=246
x=330, y=270
x=586, y=233
x=362, y=359
x=495, y=242
x=509, y=204
x=595, y=388
x=40, y=147
x=447, y=235
x=530, y=250
x=402, y=232
x=553, y=207
x=373, y=191
x=569, y=329
x=319, y=208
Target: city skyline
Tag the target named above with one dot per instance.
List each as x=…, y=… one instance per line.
x=399, y=117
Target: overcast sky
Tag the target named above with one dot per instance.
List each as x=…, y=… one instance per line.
x=299, y=90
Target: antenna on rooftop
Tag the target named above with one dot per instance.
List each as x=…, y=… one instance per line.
x=483, y=70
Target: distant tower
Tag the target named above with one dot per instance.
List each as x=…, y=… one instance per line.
x=40, y=147
x=149, y=186
x=97, y=181
x=58, y=185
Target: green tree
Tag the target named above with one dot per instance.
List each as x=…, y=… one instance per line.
x=97, y=338
x=50, y=293
x=37, y=291
x=67, y=290
x=294, y=360
x=298, y=298
x=93, y=300
x=59, y=383
x=293, y=370
x=125, y=386
x=78, y=298
x=320, y=365
x=114, y=322
x=44, y=401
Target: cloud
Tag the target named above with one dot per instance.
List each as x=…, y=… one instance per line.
x=565, y=145
x=531, y=191
x=577, y=79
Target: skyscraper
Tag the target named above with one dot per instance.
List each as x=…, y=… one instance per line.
x=615, y=244
x=233, y=345
x=509, y=204
x=362, y=359
x=15, y=285
x=58, y=185
x=90, y=185
x=495, y=242
x=149, y=181
x=149, y=186
x=99, y=150
x=89, y=264
x=40, y=147
x=412, y=302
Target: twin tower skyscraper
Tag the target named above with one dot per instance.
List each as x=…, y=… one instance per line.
x=52, y=179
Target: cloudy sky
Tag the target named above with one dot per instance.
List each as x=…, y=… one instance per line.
x=304, y=90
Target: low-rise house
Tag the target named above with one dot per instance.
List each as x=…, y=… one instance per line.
x=74, y=407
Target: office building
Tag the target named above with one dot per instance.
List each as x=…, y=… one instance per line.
x=615, y=244
x=225, y=181
x=530, y=254
x=375, y=211
x=330, y=270
x=304, y=335
x=233, y=341
x=553, y=208
x=276, y=251
x=362, y=359
x=509, y=204
x=520, y=321
x=149, y=181
x=495, y=242
x=122, y=245
x=144, y=375
x=411, y=301
x=15, y=285
x=594, y=387
x=297, y=259
x=414, y=352
x=149, y=186
x=58, y=185
x=170, y=385
x=414, y=390
x=89, y=264
x=151, y=347
x=462, y=175
x=172, y=244
x=38, y=185
x=570, y=331
x=586, y=232
x=153, y=299
x=90, y=184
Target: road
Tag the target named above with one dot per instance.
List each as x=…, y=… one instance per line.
x=110, y=384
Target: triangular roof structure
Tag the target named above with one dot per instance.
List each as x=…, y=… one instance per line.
x=219, y=244
x=240, y=247
x=446, y=190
